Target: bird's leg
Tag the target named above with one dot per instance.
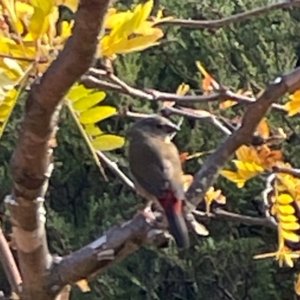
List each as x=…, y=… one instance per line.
x=147, y=212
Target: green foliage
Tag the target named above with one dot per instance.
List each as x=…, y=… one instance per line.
x=81, y=205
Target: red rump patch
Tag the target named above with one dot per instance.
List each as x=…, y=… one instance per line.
x=169, y=202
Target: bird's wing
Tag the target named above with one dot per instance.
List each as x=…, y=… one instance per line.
x=156, y=167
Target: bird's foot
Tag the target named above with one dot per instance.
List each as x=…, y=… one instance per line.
x=148, y=214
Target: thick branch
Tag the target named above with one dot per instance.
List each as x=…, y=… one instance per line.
x=31, y=159
x=121, y=241
x=216, y=24
x=208, y=173
x=110, y=248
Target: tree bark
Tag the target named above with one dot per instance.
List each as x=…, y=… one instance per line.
x=31, y=161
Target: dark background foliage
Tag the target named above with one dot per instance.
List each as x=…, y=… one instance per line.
x=81, y=205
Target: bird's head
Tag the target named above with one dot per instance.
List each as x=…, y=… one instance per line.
x=155, y=126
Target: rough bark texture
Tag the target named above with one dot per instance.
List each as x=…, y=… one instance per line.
x=31, y=162
x=113, y=246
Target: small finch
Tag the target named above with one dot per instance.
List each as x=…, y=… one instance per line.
x=155, y=164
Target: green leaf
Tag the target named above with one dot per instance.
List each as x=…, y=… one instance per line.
x=89, y=101
x=108, y=142
x=97, y=114
x=78, y=91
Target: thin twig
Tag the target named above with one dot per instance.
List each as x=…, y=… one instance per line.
x=154, y=95
x=131, y=114
x=194, y=114
x=42, y=60
x=116, y=170
x=217, y=24
x=9, y=265
x=223, y=215
x=292, y=172
x=85, y=138
x=92, y=82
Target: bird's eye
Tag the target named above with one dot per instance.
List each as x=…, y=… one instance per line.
x=160, y=126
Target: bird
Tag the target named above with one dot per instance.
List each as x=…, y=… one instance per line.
x=155, y=164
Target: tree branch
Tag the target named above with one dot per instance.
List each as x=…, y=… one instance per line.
x=217, y=24
x=223, y=215
x=208, y=173
x=115, y=245
x=195, y=114
x=116, y=170
x=9, y=265
x=121, y=241
x=32, y=156
x=293, y=172
x=154, y=95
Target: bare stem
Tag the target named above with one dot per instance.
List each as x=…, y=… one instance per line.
x=9, y=265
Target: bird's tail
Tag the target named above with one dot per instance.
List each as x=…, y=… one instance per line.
x=177, y=226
